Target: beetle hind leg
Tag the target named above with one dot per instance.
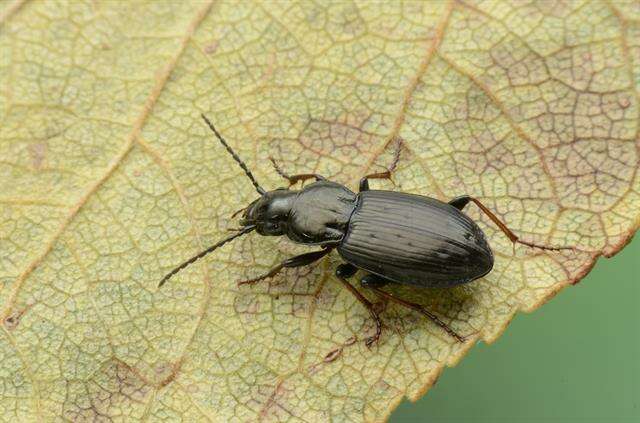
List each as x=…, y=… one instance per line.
x=417, y=307
x=463, y=200
x=345, y=271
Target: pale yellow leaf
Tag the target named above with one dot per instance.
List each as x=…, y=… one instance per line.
x=109, y=178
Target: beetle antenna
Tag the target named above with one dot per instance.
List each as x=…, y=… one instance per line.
x=201, y=254
x=244, y=167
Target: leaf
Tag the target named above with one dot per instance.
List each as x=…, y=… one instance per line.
x=108, y=179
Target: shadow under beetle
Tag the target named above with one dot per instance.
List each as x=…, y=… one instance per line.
x=396, y=237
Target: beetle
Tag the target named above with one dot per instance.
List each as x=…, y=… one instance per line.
x=395, y=237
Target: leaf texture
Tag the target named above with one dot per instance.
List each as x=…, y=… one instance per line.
x=108, y=179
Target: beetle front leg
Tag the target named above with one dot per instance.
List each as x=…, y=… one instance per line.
x=345, y=271
x=297, y=261
x=463, y=200
x=293, y=179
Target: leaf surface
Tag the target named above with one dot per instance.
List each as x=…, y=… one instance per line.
x=108, y=179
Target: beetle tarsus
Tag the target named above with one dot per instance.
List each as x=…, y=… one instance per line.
x=542, y=247
x=417, y=307
x=373, y=339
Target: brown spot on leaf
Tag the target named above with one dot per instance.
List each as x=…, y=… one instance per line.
x=350, y=341
x=212, y=47
x=116, y=386
x=13, y=319
x=332, y=355
x=269, y=71
x=167, y=372
x=246, y=304
x=382, y=385
x=273, y=409
x=624, y=102
x=38, y=152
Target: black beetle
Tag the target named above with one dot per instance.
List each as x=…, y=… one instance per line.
x=396, y=237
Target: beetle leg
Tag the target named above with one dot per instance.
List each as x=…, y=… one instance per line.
x=345, y=271
x=419, y=309
x=295, y=178
x=463, y=200
x=297, y=261
x=364, y=182
x=460, y=202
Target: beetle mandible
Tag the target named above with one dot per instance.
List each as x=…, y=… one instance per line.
x=396, y=237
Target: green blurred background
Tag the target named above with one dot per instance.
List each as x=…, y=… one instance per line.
x=577, y=358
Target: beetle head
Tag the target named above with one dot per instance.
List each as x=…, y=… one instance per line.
x=270, y=213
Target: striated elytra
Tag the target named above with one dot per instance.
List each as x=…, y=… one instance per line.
x=395, y=237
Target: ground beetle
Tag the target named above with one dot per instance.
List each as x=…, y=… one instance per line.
x=396, y=237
